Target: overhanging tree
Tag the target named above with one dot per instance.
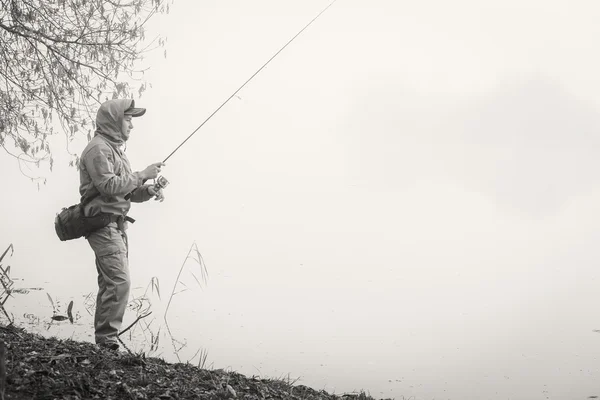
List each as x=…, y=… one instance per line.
x=59, y=59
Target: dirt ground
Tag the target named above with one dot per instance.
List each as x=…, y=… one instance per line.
x=34, y=367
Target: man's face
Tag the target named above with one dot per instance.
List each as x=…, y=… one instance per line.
x=127, y=126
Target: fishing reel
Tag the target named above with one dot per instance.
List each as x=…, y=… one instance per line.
x=160, y=183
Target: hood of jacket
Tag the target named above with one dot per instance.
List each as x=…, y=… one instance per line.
x=109, y=119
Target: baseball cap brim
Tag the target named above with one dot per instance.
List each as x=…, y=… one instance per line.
x=135, y=112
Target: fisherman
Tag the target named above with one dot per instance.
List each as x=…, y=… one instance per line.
x=108, y=186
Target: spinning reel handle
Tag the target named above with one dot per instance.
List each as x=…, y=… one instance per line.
x=160, y=183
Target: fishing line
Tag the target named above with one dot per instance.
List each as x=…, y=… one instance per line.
x=249, y=79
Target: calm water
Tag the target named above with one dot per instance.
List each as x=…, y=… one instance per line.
x=353, y=343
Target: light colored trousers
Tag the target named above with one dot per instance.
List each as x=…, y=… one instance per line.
x=111, y=249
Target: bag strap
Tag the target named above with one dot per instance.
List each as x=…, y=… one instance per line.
x=86, y=199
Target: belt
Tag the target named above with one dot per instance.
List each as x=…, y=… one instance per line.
x=120, y=220
x=117, y=218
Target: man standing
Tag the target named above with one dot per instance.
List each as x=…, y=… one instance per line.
x=108, y=186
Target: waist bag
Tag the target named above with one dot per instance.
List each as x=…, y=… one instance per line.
x=70, y=223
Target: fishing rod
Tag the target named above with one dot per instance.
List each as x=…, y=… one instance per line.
x=161, y=182
x=249, y=79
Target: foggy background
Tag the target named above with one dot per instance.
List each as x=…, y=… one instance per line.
x=404, y=201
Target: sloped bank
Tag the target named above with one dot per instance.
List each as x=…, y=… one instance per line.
x=35, y=367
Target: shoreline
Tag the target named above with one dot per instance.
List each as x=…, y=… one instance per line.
x=36, y=367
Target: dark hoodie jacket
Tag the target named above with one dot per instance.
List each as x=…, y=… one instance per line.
x=104, y=170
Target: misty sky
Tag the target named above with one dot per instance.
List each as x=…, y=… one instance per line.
x=408, y=192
